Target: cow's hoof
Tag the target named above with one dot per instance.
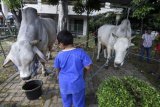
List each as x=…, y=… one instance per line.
x=49, y=57
x=46, y=74
x=106, y=67
x=116, y=68
x=97, y=60
x=34, y=74
x=26, y=78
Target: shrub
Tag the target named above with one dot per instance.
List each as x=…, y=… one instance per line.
x=127, y=92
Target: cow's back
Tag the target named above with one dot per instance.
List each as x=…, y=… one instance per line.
x=50, y=27
x=104, y=34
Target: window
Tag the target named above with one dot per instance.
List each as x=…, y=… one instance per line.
x=76, y=26
x=45, y=1
x=30, y=1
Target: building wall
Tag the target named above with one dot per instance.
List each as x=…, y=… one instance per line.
x=46, y=9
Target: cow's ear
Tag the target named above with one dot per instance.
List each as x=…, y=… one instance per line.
x=39, y=53
x=115, y=36
x=132, y=44
x=132, y=37
x=34, y=42
x=6, y=61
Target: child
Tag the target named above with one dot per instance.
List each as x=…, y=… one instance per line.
x=70, y=63
x=147, y=44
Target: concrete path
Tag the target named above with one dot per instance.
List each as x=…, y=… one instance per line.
x=12, y=95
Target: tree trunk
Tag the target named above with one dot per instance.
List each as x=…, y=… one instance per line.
x=141, y=26
x=87, y=29
x=63, y=15
x=17, y=18
x=4, y=9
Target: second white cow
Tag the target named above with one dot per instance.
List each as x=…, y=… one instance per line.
x=116, y=39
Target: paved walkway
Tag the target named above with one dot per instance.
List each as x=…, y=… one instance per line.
x=11, y=93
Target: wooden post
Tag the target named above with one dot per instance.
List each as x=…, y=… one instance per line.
x=9, y=28
x=87, y=29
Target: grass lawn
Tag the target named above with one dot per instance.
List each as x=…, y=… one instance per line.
x=5, y=72
x=151, y=71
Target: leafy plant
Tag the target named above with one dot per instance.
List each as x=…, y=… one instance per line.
x=101, y=19
x=112, y=93
x=127, y=92
x=13, y=4
x=81, y=6
x=142, y=8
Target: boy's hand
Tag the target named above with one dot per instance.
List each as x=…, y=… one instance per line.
x=88, y=68
x=56, y=76
x=56, y=73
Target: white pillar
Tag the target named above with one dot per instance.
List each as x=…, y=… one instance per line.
x=39, y=9
x=4, y=8
x=39, y=1
x=85, y=26
x=117, y=18
x=68, y=21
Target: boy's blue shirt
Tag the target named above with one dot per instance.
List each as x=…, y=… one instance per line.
x=71, y=64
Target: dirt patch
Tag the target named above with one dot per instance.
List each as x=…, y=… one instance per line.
x=127, y=70
x=132, y=67
x=10, y=70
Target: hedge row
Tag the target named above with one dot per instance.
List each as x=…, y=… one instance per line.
x=127, y=92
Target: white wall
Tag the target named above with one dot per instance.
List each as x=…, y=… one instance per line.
x=85, y=26
x=44, y=8
x=50, y=9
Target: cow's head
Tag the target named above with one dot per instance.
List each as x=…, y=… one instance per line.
x=121, y=47
x=124, y=29
x=23, y=54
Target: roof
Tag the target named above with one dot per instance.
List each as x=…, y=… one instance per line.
x=121, y=2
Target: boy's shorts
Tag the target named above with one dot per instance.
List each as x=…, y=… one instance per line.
x=77, y=99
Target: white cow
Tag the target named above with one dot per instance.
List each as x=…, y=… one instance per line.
x=36, y=36
x=116, y=39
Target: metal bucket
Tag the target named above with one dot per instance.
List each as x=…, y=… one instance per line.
x=33, y=89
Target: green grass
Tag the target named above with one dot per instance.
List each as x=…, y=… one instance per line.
x=5, y=72
x=151, y=71
x=1, y=59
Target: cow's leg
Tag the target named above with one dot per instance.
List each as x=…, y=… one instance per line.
x=105, y=55
x=99, y=49
x=108, y=56
x=49, y=52
x=43, y=67
x=112, y=53
x=49, y=55
x=44, y=71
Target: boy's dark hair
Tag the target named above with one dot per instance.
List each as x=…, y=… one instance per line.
x=65, y=37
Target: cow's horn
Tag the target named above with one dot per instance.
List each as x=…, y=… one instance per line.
x=39, y=53
x=114, y=35
x=34, y=42
x=6, y=61
x=132, y=37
